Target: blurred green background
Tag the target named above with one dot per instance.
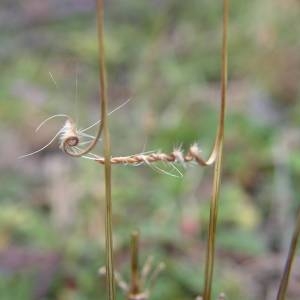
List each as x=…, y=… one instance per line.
x=165, y=57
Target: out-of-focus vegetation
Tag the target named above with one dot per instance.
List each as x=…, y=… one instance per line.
x=165, y=56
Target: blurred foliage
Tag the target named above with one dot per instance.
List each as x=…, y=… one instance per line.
x=165, y=56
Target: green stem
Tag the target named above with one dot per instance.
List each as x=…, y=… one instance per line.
x=210, y=252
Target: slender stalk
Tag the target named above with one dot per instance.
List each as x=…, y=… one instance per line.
x=289, y=262
x=107, y=154
x=210, y=253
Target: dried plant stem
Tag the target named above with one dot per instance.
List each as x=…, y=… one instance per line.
x=210, y=252
x=289, y=262
x=107, y=154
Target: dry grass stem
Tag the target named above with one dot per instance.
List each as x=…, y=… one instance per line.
x=281, y=295
x=107, y=153
x=210, y=252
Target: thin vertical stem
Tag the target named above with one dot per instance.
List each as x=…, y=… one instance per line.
x=107, y=153
x=289, y=262
x=210, y=254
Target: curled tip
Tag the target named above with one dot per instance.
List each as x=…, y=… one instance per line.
x=69, y=137
x=72, y=141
